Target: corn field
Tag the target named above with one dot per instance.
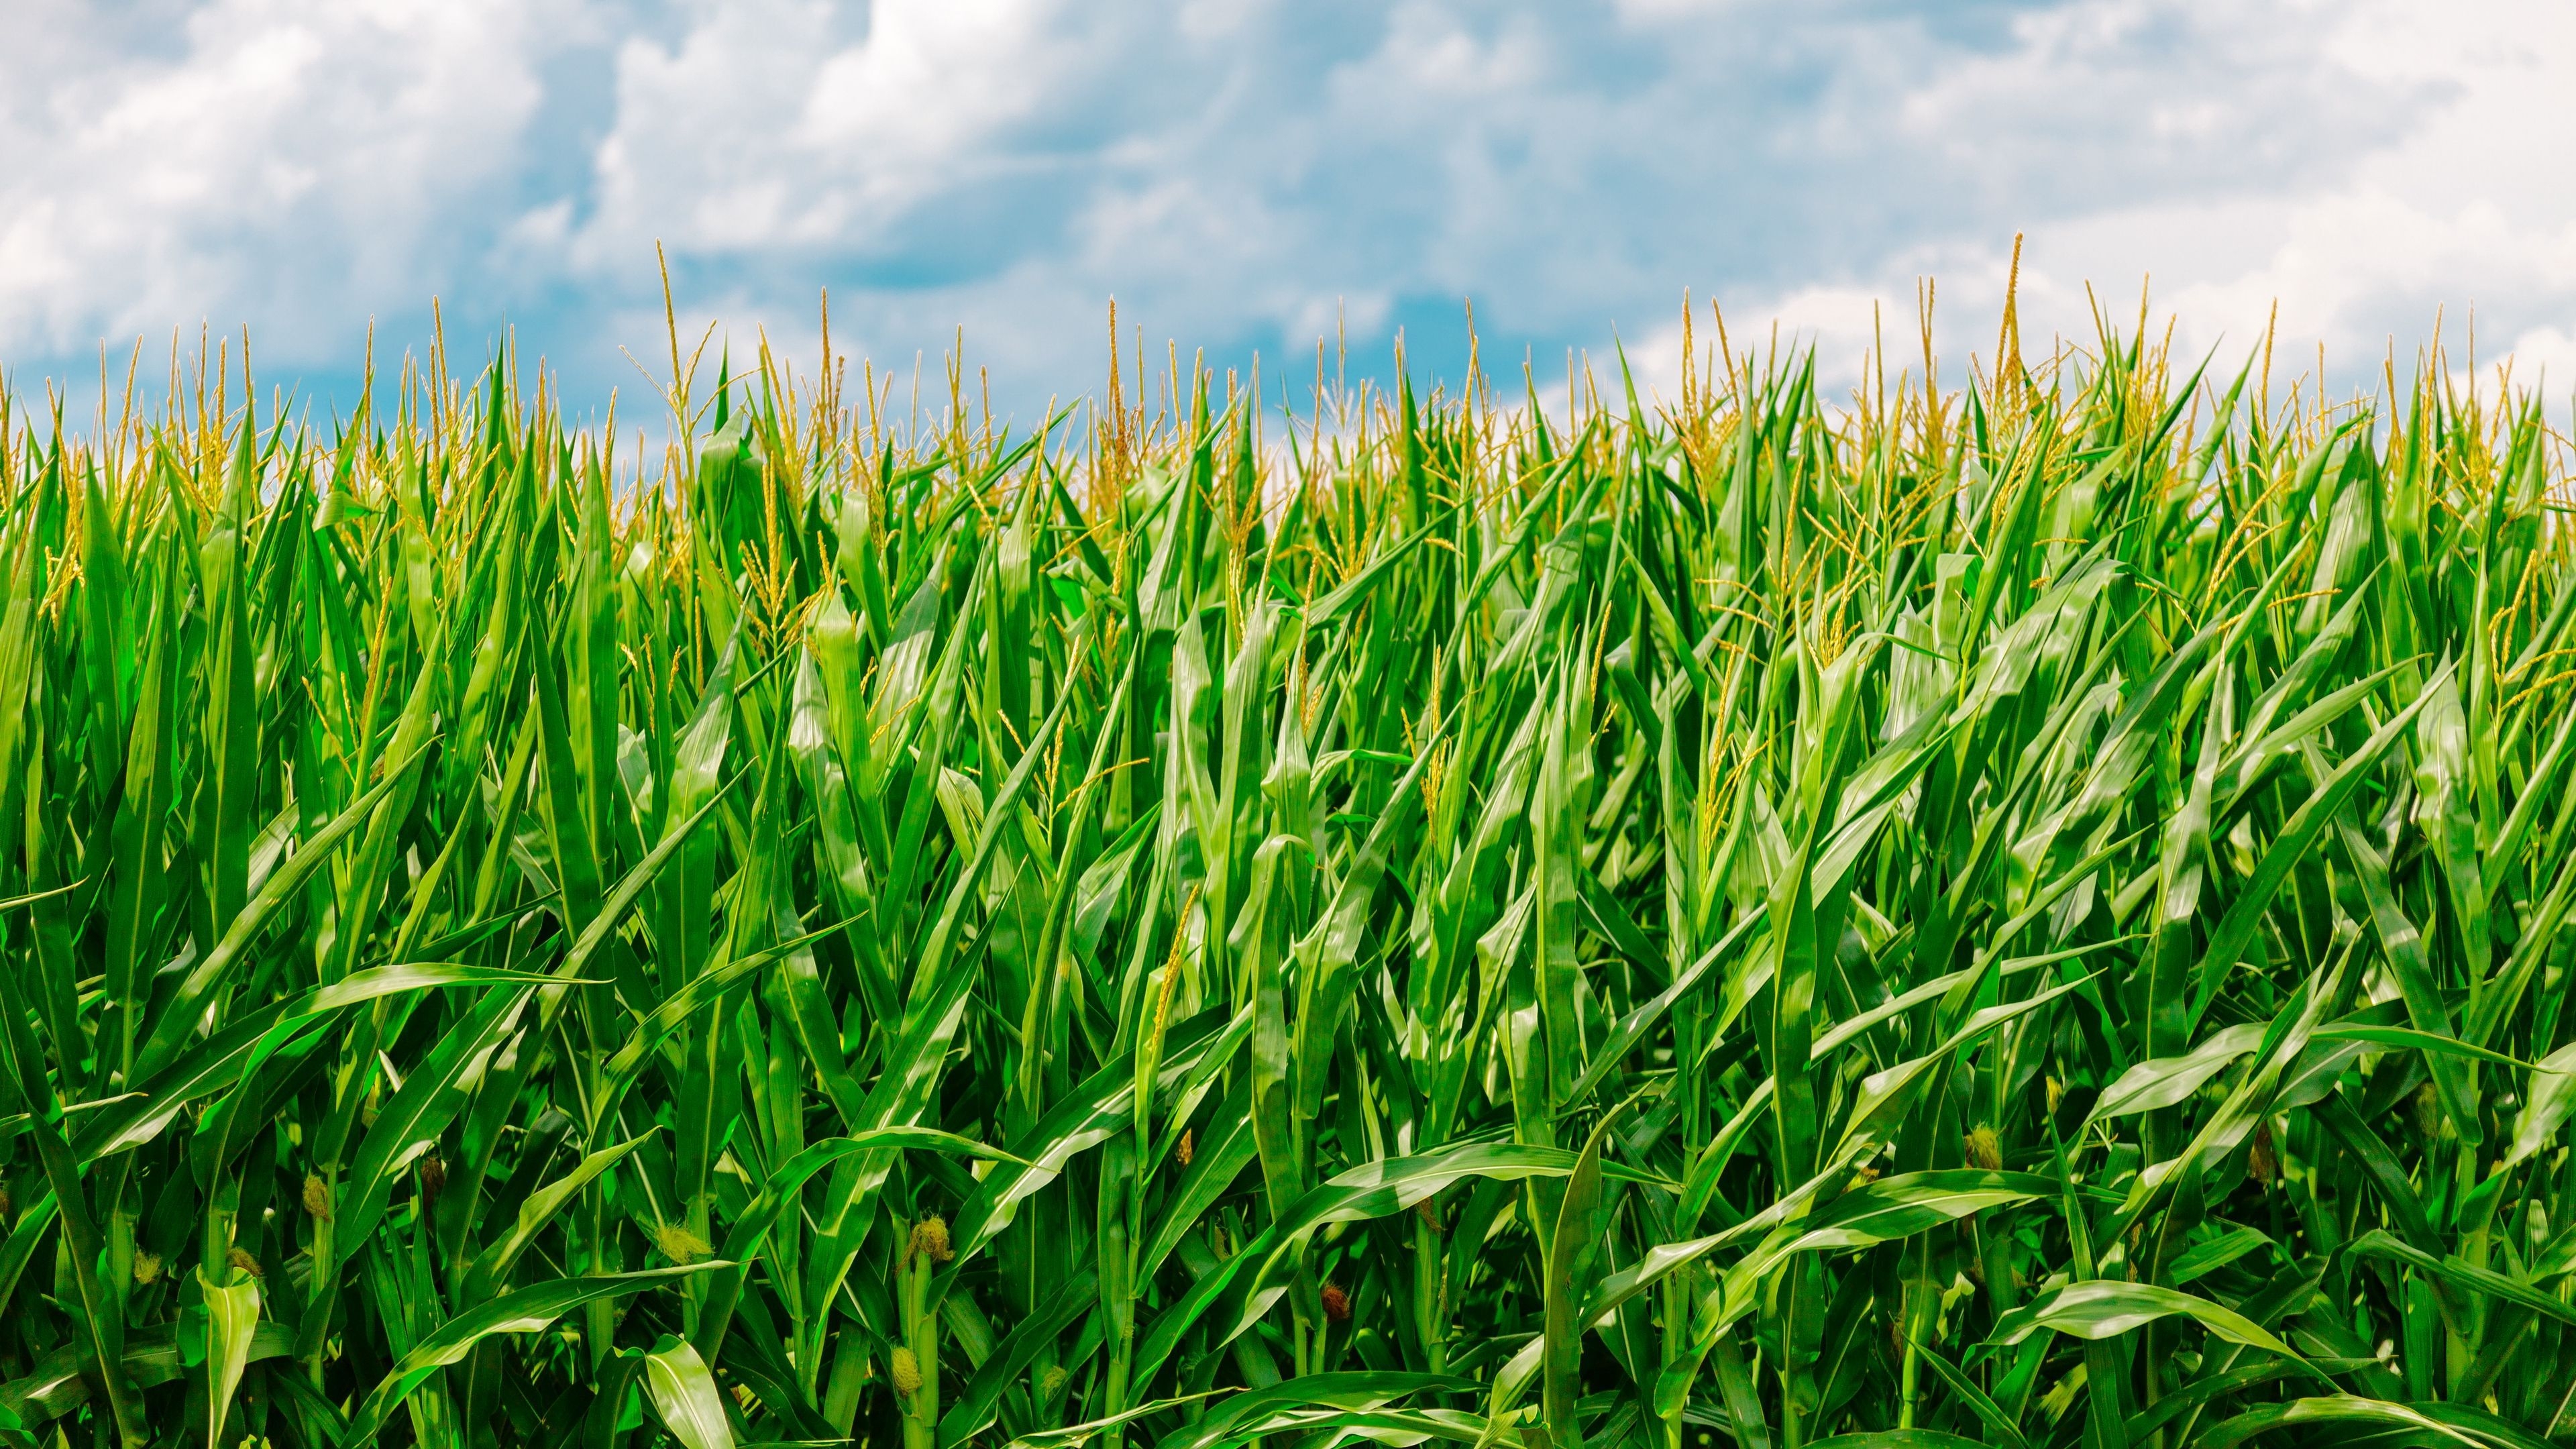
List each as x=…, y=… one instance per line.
x=2029, y=913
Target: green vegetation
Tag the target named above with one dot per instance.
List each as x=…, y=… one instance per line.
x=2030, y=914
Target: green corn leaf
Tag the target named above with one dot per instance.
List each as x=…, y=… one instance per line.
x=526, y=1310
x=1136, y=912
x=2106, y=1308
x=686, y=1397
x=2468, y=1277
x=2436, y=1423
x=2168, y=1080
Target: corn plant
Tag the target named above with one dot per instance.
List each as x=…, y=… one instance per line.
x=2027, y=914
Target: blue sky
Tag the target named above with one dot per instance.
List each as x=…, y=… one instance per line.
x=1251, y=177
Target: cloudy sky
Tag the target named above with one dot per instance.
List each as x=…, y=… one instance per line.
x=1247, y=177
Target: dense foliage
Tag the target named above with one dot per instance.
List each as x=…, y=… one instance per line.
x=2032, y=914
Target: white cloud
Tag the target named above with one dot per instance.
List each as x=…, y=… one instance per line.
x=1249, y=175
x=249, y=156
x=2453, y=197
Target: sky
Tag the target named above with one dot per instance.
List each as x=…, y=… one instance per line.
x=1251, y=178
